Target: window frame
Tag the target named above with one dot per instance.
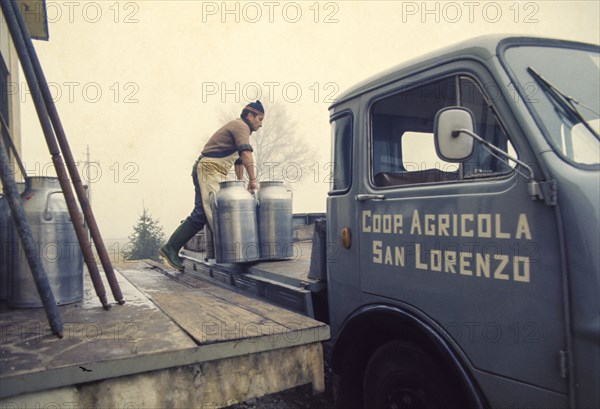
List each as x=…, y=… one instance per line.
x=404, y=85
x=346, y=113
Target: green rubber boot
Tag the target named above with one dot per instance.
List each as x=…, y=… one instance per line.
x=180, y=236
x=210, y=243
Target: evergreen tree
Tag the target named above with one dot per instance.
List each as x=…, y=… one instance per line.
x=146, y=239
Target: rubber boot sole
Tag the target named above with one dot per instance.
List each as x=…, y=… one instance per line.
x=162, y=253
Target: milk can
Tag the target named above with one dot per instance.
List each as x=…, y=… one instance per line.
x=275, y=221
x=235, y=225
x=9, y=242
x=56, y=244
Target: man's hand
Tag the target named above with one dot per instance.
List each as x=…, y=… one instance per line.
x=252, y=185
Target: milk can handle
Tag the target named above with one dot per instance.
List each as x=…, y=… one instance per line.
x=212, y=199
x=47, y=215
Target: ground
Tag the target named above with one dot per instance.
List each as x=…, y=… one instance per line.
x=297, y=398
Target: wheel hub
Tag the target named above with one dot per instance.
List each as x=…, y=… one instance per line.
x=406, y=398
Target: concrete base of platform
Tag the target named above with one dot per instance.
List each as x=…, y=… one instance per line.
x=203, y=385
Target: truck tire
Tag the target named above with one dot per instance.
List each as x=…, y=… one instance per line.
x=401, y=375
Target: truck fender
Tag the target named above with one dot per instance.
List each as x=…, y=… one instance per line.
x=371, y=326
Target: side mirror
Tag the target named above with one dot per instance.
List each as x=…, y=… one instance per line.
x=450, y=145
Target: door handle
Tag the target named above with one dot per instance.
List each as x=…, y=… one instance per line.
x=365, y=197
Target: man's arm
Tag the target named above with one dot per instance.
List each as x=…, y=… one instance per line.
x=239, y=169
x=248, y=163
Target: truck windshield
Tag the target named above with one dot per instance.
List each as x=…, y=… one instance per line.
x=562, y=86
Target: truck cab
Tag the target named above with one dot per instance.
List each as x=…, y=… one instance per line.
x=465, y=263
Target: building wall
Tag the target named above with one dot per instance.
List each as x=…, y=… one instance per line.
x=10, y=89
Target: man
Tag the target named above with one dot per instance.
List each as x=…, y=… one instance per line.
x=229, y=146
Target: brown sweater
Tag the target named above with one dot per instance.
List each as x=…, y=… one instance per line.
x=232, y=137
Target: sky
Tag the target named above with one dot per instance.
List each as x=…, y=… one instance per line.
x=144, y=84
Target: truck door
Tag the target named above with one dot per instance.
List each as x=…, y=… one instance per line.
x=343, y=276
x=462, y=244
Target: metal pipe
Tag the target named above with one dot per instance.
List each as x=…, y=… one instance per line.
x=10, y=14
x=35, y=263
x=71, y=165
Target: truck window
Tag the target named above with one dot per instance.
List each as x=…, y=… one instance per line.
x=409, y=115
x=420, y=148
x=575, y=72
x=341, y=130
x=403, y=149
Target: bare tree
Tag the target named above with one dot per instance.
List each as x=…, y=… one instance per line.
x=280, y=153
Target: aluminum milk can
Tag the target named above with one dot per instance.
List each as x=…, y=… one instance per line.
x=235, y=224
x=9, y=242
x=275, y=221
x=57, y=246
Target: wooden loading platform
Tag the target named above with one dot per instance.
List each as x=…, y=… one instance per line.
x=179, y=341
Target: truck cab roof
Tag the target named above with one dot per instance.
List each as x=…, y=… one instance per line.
x=480, y=48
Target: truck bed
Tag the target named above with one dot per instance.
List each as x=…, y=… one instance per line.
x=285, y=283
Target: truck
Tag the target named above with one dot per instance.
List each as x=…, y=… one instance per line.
x=460, y=259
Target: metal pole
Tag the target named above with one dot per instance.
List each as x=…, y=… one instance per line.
x=35, y=264
x=70, y=161
x=7, y=137
x=11, y=20
x=87, y=176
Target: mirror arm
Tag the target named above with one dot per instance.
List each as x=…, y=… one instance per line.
x=495, y=149
x=533, y=187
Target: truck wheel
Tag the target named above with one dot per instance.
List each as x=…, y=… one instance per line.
x=401, y=375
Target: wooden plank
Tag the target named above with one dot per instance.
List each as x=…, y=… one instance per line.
x=285, y=318
x=204, y=316
x=280, y=315
x=208, y=319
